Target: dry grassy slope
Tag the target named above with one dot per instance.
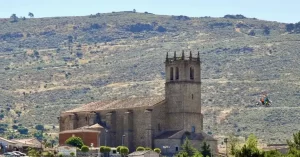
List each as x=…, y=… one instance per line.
x=108, y=59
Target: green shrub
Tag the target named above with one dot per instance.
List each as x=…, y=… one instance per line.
x=39, y=127
x=147, y=148
x=85, y=148
x=124, y=150
x=105, y=149
x=157, y=150
x=119, y=148
x=140, y=149
x=72, y=154
x=75, y=141
x=60, y=155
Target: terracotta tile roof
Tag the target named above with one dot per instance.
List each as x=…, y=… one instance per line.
x=79, y=130
x=181, y=135
x=118, y=104
x=6, y=140
x=167, y=134
x=95, y=126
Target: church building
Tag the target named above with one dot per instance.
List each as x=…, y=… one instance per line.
x=156, y=122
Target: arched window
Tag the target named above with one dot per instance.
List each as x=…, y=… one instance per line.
x=191, y=73
x=193, y=129
x=158, y=127
x=171, y=74
x=177, y=73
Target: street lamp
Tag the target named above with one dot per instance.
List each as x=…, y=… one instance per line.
x=226, y=140
x=123, y=139
x=105, y=135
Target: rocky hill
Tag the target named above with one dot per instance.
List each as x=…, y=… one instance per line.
x=48, y=65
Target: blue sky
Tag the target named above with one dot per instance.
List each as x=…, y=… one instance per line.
x=273, y=10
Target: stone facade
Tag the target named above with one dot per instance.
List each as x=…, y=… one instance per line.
x=139, y=121
x=89, y=137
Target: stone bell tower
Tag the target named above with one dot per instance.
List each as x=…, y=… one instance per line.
x=183, y=93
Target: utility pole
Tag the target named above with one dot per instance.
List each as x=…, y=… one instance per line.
x=105, y=136
x=226, y=140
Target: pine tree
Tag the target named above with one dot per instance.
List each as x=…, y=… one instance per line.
x=205, y=149
x=187, y=149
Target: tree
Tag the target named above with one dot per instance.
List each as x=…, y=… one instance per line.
x=33, y=153
x=72, y=154
x=140, y=149
x=39, y=127
x=14, y=127
x=266, y=31
x=272, y=153
x=250, y=148
x=187, y=149
x=294, y=145
x=30, y=14
x=14, y=18
x=198, y=154
x=70, y=40
x=23, y=130
x=251, y=32
x=233, y=142
x=38, y=135
x=248, y=152
x=85, y=148
x=252, y=142
x=157, y=150
x=36, y=54
x=75, y=141
x=297, y=27
x=290, y=27
x=205, y=149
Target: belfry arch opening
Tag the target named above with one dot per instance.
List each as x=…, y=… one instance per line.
x=171, y=74
x=191, y=73
x=177, y=73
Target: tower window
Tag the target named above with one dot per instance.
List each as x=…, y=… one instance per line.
x=171, y=74
x=191, y=73
x=176, y=149
x=177, y=73
x=192, y=96
x=158, y=127
x=193, y=129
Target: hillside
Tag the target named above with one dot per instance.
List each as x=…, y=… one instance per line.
x=48, y=65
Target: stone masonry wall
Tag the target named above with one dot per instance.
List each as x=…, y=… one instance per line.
x=131, y=122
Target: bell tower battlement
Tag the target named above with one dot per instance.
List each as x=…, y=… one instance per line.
x=183, y=68
x=183, y=92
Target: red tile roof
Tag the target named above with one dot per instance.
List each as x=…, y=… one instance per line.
x=118, y=104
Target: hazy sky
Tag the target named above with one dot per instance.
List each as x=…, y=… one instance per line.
x=273, y=10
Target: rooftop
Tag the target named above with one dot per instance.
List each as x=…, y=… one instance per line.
x=182, y=134
x=119, y=104
x=138, y=153
x=78, y=131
